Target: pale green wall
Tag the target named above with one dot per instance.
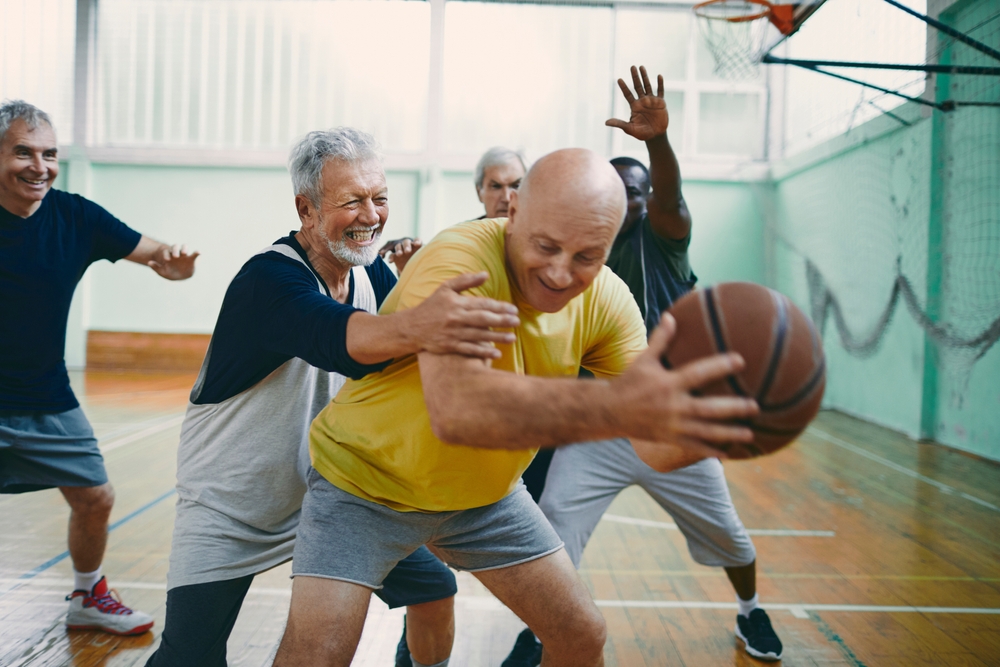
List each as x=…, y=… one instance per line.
x=927, y=194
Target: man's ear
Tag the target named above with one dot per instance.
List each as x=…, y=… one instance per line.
x=305, y=210
x=479, y=193
x=512, y=208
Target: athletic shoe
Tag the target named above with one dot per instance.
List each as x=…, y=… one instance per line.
x=102, y=609
x=527, y=651
x=758, y=636
x=403, y=650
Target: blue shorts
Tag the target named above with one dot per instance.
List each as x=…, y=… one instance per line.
x=351, y=539
x=43, y=450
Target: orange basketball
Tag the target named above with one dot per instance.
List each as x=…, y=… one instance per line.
x=785, y=368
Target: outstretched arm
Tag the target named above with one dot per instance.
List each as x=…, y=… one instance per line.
x=472, y=404
x=399, y=251
x=445, y=323
x=668, y=213
x=171, y=262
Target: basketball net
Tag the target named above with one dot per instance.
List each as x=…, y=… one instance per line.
x=736, y=33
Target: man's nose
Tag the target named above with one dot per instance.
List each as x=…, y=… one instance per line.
x=505, y=194
x=560, y=273
x=368, y=213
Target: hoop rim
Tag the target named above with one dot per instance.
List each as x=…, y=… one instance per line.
x=734, y=19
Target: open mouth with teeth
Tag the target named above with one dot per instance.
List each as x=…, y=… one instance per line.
x=366, y=235
x=40, y=181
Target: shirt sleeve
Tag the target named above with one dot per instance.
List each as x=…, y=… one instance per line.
x=293, y=318
x=112, y=239
x=617, y=333
x=440, y=261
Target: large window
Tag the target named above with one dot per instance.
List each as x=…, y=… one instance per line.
x=37, y=55
x=256, y=74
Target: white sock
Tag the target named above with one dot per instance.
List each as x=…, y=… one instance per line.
x=85, y=581
x=747, y=606
x=443, y=663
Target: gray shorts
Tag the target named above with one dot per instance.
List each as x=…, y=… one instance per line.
x=43, y=450
x=350, y=539
x=583, y=479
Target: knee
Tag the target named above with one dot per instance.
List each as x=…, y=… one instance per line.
x=583, y=638
x=95, y=502
x=436, y=611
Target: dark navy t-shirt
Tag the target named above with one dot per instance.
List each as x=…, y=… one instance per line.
x=655, y=269
x=42, y=258
x=274, y=310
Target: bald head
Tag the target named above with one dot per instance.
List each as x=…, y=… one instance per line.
x=574, y=180
x=561, y=225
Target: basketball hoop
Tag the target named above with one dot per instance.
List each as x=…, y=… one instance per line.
x=736, y=35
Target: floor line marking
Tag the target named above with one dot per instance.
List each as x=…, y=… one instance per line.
x=797, y=609
x=836, y=639
x=116, y=443
x=64, y=555
x=131, y=427
x=752, y=531
x=941, y=486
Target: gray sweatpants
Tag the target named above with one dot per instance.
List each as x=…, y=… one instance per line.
x=584, y=478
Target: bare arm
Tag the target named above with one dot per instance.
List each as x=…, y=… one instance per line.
x=472, y=404
x=171, y=262
x=668, y=213
x=445, y=323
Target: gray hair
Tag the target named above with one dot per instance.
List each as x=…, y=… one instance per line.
x=12, y=110
x=316, y=148
x=496, y=156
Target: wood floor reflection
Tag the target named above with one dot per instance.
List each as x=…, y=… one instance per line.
x=872, y=550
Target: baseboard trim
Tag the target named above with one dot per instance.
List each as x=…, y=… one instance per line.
x=142, y=351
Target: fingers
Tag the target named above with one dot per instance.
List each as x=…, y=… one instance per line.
x=714, y=432
x=647, y=89
x=489, y=314
x=466, y=281
x=723, y=407
x=636, y=81
x=659, y=86
x=614, y=122
x=660, y=339
x=710, y=369
x=628, y=93
x=479, y=351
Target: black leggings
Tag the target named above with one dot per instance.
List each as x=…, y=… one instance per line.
x=199, y=620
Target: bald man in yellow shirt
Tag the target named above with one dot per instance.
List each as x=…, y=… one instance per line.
x=431, y=449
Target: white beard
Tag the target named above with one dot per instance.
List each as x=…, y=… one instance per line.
x=339, y=249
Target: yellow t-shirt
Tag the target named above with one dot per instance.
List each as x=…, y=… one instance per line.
x=375, y=440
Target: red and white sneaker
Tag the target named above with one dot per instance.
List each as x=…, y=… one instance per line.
x=102, y=609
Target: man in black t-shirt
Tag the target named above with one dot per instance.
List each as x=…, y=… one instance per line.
x=48, y=238
x=581, y=481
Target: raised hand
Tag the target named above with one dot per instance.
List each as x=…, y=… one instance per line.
x=649, y=112
x=664, y=405
x=173, y=262
x=400, y=251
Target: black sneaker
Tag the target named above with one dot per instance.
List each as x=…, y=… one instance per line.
x=403, y=650
x=758, y=636
x=527, y=651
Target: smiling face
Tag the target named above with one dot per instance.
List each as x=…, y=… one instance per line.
x=561, y=226
x=499, y=182
x=29, y=164
x=351, y=213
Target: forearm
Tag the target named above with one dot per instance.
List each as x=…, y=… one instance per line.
x=147, y=250
x=502, y=410
x=372, y=339
x=667, y=210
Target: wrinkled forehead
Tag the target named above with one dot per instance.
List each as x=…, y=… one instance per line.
x=347, y=179
x=574, y=226
x=505, y=172
x=41, y=137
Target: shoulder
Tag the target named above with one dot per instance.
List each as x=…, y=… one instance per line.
x=666, y=244
x=273, y=268
x=475, y=245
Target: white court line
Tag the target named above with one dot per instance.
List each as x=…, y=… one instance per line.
x=489, y=603
x=159, y=425
x=944, y=488
x=753, y=531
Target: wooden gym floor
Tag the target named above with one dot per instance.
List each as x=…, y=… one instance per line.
x=872, y=550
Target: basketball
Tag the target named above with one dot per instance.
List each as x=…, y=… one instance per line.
x=785, y=369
